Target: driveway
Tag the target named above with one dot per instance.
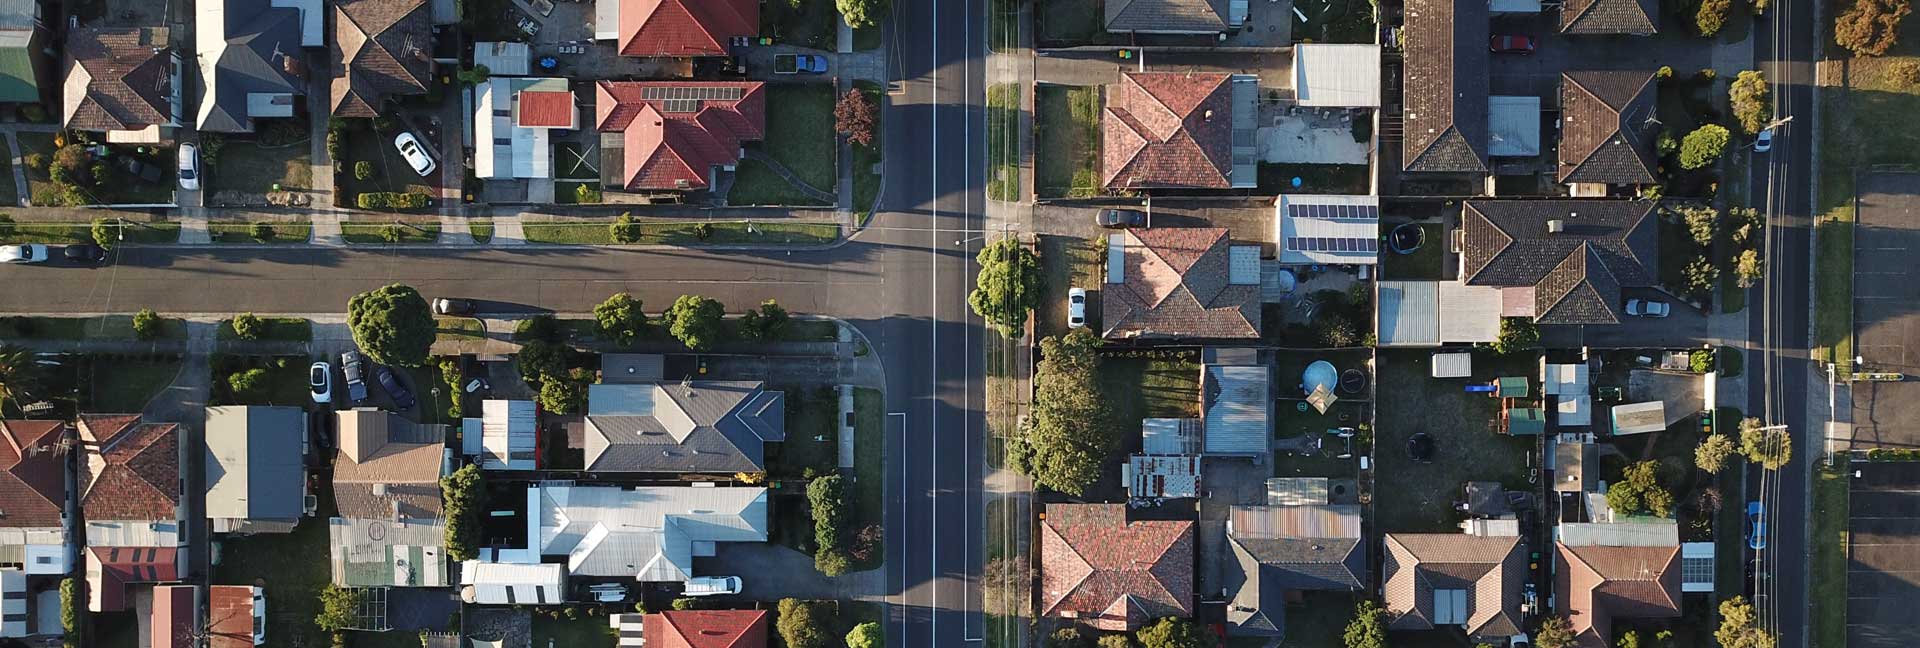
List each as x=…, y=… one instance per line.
x=770, y=572
x=1101, y=66
x=1250, y=219
x=1686, y=327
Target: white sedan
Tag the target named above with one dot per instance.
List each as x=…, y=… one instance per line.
x=416, y=156
x=1764, y=142
x=1076, y=308
x=24, y=253
x=320, y=380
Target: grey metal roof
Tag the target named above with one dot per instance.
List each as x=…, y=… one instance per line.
x=707, y=426
x=1235, y=401
x=255, y=469
x=387, y=553
x=650, y=533
x=1513, y=126
x=258, y=53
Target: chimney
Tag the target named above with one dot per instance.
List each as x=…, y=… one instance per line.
x=1556, y=226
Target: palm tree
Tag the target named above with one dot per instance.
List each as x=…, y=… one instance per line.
x=18, y=373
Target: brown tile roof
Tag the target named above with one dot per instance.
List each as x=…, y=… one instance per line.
x=1175, y=283
x=110, y=569
x=706, y=629
x=1445, y=127
x=1608, y=135
x=1635, y=17
x=1101, y=569
x=1168, y=129
x=380, y=48
x=1151, y=16
x=127, y=76
x=399, y=480
x=1576, y=273
x=685, y=27
x=33, y=477
x=1597, y=584
x=171, y=617
x=230, y=616
x=1491, y=569
x=546, y=109
x=132, y=469
x=664, y=144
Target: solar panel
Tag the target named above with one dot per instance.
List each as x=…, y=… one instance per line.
x=1330, y=244
x=1334, y=212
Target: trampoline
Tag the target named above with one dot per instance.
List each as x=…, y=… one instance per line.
x=1406, y=238
x=1352, y=381
x=1420, y=447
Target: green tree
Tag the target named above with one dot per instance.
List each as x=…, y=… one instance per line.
x=1749, y=97
x=832, y=562
x=1713, y=453
x=1701, y=221
x=261, y=231
x=1516, y=334
x=1699, y=275
x=248, y=326
x=685, y=603
x=463, y=495
x=146, y=324
x=1113, y=641
x=799, y=626
x=767, y=323
x=1009, y=284
x=540, y=359
x=565, y=394
x=1639, y=490
x=339, y=608
x=1711, y=15
x=1555, y=632
x=475, y=75
x=19, y=374
x=1748, y=268
x=1628, y=639
x=1703, y=146
x=1071, y=427
x=1740, y=626
x=861, y=13
x=392, y=325
x=1368, y=629
x=1868, y=28
x=453, y=376
x=1771, y=448
x=827, y=497
x=625, y=229
x=695, y=321
x=1173, y=632
x=1067, y=637
x=620, y=317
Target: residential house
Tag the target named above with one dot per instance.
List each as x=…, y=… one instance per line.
x=112, y=572
x=1180, y=130
x=674, y=135
x=501, y=583
x=704, y=426
x=256, y=468
x=505, y=437
x=1336, y=75
x=1604, y=572
x=513, y=123
x=1327, y=230
x=1610, y=18
x=381, y=49
x=33, y=490
x=123, y=82
x=1180, y=283
x=388, y=553
x=675, y=28
x=388, y=468
x=1099, y=568
x=650, y=534
x=1445, y=579
x=1608, y=132
x=1446, y=116
x=706, y=629
x=1175, y=16
x=1283, y=549
x=130, y=484
x=1560, y=261
x=236, y=616
x=252, y=57
x=1169, y=461
x=23, y=52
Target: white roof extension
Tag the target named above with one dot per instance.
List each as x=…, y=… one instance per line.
x=1317, y=229
x=649, y=533
x=1573, y=405
x=1337, y=75
x=502, y=147
x=1432, y=313
x=507, y=435
x=1513, y=126
x=491, y=583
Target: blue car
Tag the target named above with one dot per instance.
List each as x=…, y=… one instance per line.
x=402, y=398
x=1756, y=526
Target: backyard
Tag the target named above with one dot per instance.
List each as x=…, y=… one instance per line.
x=1335, y=21
x=1315, y=178
x=1467, y=449
x=800, y=136
x=294, y=568
x=1150, y=384
x=1003, y=147
x=1067, y=127
x=1423, y=263
x=256, y=168
x=588, y=631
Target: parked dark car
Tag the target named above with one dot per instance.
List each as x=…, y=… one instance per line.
x=402, y=399
x=85, y=253
x=353, y=367
x=1121, y=218
x=450, y=306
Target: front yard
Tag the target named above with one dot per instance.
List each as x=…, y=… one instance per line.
x=866, y=159
x=1003, y=147
x=1467, y=449
x=1424, y=262
x=283, y=381
x=390, y=231
x=686, y=233
x=255, y=168
x=277, y=232
x=103, y=327
x=1067, y=127
x=68, y=232
x=1828, y=589
x=800, y=136
x=1068, y=261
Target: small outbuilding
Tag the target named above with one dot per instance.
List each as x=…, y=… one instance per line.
x=1639, y=418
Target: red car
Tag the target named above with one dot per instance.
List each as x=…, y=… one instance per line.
x=1512, y=45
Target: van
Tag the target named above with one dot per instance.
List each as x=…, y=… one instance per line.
x=713, y=586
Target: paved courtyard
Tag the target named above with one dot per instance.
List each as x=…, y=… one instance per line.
x=1883, y=555
x=1886, y=326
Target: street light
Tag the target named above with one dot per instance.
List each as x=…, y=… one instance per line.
x=969, y=240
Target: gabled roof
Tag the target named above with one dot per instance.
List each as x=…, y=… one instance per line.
x=117, y=78
x=1635, y=17
x=1099, y=568
x=1597, y=584
x=667, y=142
x=1422, y=568
x=1446, y=87
x=246, y=47
x=33, y=473
x=706, y=629
x=646, y=533
x=1289, y=548
x=111, y=569
x=132, y=469
x=380, y=48
x=255, y=469
x=1176, y=281
x=1577, y=273
x=701, y=426
x=1608, y=134
x=386, y=468
x=684, y=27
x=1168, y=129
x=1166, y=16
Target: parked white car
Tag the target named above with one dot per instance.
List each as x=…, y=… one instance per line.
x=320, y=378
x=1076, y=308
x=415, y=155
x=1764, y=142
x=1648, y=308
x=713, y=586
x=189, y=167
x=24, y=253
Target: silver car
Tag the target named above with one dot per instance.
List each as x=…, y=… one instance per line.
x=23, y=253
x=415, y=155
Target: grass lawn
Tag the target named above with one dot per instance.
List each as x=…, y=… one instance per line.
x=1829, y=568
x=9, y=196
x=374, y=232
x=283, y=233
x=454, y=329
x=812, y=413
x=126, y=384
x=869, y=463
x=289, y=329
x=755, y=183
x=1067, y=127
x=250, y=167
x=293, y=569
x=1141, y=387
x=866, y=38
x=1729, y=361
x=1466, y=449
x=866, y=159
x=1070, y=21
x=1318, y=620
x=1676, y=245
x=105, y=327
x=685, y=233
x=151, y=233
x=800, y=134
x=1833, y=288
x=1315, y=178
x=1068, y=261
x=1338, y=21
x=1003, y=149
x=811, y=24
x=481, y=229
x=1729, y=540
x=31, y=143
x=1424, y=263
x=584, y=632
x=1003, y=24
x=285, y=383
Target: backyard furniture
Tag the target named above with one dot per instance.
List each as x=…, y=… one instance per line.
x=545, y=7
x=1420, y=447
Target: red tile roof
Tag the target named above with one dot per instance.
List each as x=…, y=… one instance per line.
x=706, y=629
x=110, y=569
x=1168, y=129
x=1599, y=584
x=230, y=616
x=546, y=109
x=33, y=489
x=171, y=620
x=1175, y=282
x=1110, y=573
x=685, y=27
x=132, y=471
x=663, y=147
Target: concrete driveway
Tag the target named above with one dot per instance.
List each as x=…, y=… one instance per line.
x=771, y=572
x=1250, y=219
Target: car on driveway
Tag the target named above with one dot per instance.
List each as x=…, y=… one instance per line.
x=450, y=306
x=189, y=167
x=1076, y=308
x=23, y=253
x=1648, y=308
x=1756, y=526
x=712, y=585
x=1763, y=142
x=799, y=64
x=415, y=155
x=85, y=254
x=1120, y=218
x=355, y=371
x=402, y=398
x=320, y=379
x=1511, y=44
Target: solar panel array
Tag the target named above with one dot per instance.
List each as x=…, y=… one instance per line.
x=1334, y=212
x=689, y=98
x=1330, y=244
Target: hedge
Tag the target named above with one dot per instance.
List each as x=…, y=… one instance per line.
x=391, y=200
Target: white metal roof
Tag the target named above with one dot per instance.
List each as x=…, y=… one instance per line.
x=1170, y=436
x=503, y=58
x=1573, y=411
x=501, y=148
x=648, y=533
x=1327, y=229
x=1452, y=365
x=1337, y=75
x=507, y=435
x=1513, y=126
x=492, y=583
x=1431, y=313
x=1162, y=476
x=1564, y=379
x=1639, y=532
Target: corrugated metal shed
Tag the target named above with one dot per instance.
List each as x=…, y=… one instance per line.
x=1327, y=521
x=1236, y=400
x=1637, y=532
x=1170, y=436
x=1431, y=313
x=504, y=58
x=1452, y=365
x=1513, y=126
x=491, y=583
x=1162, y=476
x=1337, y=75
x=1526, y=421
x=508, y=435
x=1296, y=491
x=1639, y=418
x=1511, y=387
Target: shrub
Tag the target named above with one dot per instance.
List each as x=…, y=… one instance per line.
x=1699, y=276
x=1749, y=97
x=1707, y=74
x=1067, y=637
x=767, y=323
x=685, y=603
x=73, y=162
x=832, y=562
x=37, y=162
x=362, y=170
x=392, y=233
x=146, y=324
x=1700, y=361
x=1870, y=27
x=703, y=231
x=106, y=233
x=1174, y=632
x=99, y=173
x=853, y=116
x=6, y=225
x=586, y=193
x=338, y=608
x=1516, y=334
x=1748, y=269
x=451, y=374
x=1120, y=640
x=262, y=231
x=1906, y=71
x=392, y=200
x=538, y=327
x=565, y=395
x=1703, y=146
x=625, y=229
x=539, y=359
x=1665, y=72
x=827, y=498
x=1700, y=220
x=867, y=635
x=1711, y=16
x=248, y=326
x=464, y=493
x=247, y=384
x=1368, y=629
x=799, y=626
x=1713, y=452
x=333, y=145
